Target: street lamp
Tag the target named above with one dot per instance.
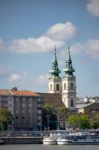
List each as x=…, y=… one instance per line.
x=58, y=122
x=47, y=122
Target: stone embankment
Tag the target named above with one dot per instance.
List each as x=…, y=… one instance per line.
x=22, y=140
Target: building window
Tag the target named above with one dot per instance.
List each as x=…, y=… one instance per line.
x=71, y=86
x=57, y=87
x=23, y=105
x=64, y=86
x=23, y=117
x=50, y=87
x=16, y=117
x=72, y=103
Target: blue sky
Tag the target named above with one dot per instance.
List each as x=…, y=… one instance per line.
x=29, y=31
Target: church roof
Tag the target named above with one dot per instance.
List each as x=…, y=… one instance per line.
x=52, y=98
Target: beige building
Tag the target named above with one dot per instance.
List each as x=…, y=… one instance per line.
x=25, y=107
x=87, y=108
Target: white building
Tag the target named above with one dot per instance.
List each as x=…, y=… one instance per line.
x=65, y=85
x=54, y=84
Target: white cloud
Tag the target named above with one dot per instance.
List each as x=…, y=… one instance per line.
x=62, y=31
x=31, y=45
x=5, y=71
x=55, y=35
x=90, y=47
x=18, y=78
x=42, y=79
x=24, y=80
x=93, y=7
x=14, y=78
x=77, y=48
x=2, y=45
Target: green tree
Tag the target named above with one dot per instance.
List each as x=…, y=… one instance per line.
x=52, y=115
x=94, y=119
x=84, y=121
x=61, y=112
x=80, y=121
x=49, y=120
x=5, y=118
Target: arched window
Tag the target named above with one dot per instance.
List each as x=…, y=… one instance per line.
x=72, y=103
x=57, y=87
x=50, y=87
x=64, y=86
x=71, y=86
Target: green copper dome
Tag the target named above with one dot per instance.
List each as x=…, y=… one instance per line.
x=55, y=70
x=68, y=67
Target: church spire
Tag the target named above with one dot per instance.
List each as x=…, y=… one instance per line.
x=68, y=67
x=55, y=70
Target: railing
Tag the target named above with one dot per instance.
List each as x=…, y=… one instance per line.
x=28, y=133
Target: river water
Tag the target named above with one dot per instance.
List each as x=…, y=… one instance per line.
x=48, y=147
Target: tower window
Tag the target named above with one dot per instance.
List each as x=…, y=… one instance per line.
x=50, y=87
x=72, y=103
x=64, y=86
x=71, y=86
x=57, y=87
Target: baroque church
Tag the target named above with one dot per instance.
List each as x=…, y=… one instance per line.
x=66, y=85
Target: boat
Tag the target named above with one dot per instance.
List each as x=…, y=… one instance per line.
x=78, y=138
x=1, y=141
x=50, y=140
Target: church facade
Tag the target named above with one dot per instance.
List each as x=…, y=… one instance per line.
x=65, y=85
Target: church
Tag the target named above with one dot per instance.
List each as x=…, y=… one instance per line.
x=61, y=90
x=66, y=85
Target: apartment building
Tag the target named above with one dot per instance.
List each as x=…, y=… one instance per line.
x=25, y=106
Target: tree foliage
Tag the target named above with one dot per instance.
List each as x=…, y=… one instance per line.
x=80, y=121
x=94, y=119
x=49, y=118
x=5, y=118
x=52, y=115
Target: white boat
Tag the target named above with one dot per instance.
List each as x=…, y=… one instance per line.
x=78, y=139
x=50, y=140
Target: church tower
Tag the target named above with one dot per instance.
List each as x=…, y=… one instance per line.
x=69, y=84
x=54, y=81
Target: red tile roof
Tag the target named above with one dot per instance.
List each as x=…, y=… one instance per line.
x=5, y=92
x=24, y=93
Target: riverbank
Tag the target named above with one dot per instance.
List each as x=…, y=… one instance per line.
x=21, y=140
